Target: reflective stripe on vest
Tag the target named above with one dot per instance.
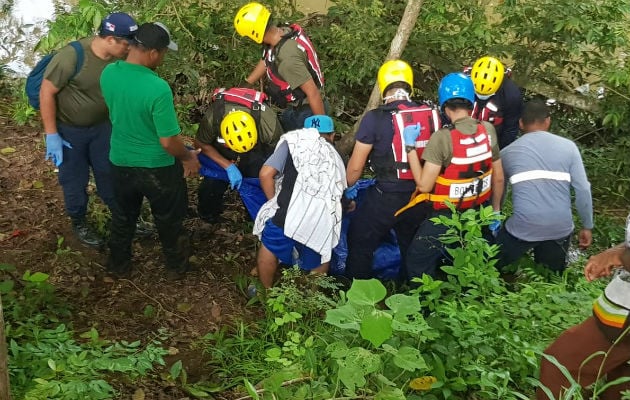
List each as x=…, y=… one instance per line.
x=282, y=88
x=405, y=116
x=540, y=174
x=466, y=181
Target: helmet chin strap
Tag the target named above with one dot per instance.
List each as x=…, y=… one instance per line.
x=399, y=94
x=484, y=97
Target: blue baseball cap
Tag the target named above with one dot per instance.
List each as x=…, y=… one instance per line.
x=118, y=24
x=323, y=123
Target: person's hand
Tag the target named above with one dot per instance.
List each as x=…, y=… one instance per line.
x=235, y=176
x=602, y=264
x=54, y=148
x=585, y=238
x=495, y=224
x=411, y=133
x=351, y=192
x=191, y=164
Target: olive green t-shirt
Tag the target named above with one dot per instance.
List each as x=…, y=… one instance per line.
x=292, y=65
x=439, y=150
x=142, y=111
x=270, y=128
x=79, y=100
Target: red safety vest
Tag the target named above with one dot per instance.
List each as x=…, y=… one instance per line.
x=466, y=182
x=429, y=120
x=279, y=90
x=489, y=112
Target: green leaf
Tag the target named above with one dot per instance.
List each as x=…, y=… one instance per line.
x=409, y=359
x=36, y=277
x=366, y=292
x=6, y=286
x=376, y=327
x=251, y=390
x=390, y=393
x=344, y=317
x=176, y=369
x=403, y=304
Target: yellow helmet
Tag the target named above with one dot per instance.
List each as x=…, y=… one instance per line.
x=487, y=75
x=238, y=129
x=394, y=71
x=251, y=21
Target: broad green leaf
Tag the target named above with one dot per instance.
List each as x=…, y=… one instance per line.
x=344, y=317
x=36, y=277
x=403, y=304
x=251, y=390
x=6, y=286
x=409, y=359
x=390, y=393
x=176, y=369
x=366, y=292
x=376, y=327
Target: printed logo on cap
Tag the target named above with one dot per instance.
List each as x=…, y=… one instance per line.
x=110, y=27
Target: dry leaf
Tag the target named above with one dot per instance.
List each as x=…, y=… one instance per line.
x=172, y=351
x=215, y=311
x=38, y=185
x=107, y=279
x=183, y=307
x=422, y=383
x=7, y=150
x=138, y=394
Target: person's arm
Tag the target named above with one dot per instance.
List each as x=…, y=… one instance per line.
x=314, y=97
x=430, y=172
x=583, y=199
x=415, y=166
x=357, y=162
x=497, y=184
x=48, y=105
x=174, y=145
x=602, y=264
x=211, y=152
x=257, y=73
x=267, y=183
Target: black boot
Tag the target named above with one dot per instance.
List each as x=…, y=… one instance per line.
x=85, y=233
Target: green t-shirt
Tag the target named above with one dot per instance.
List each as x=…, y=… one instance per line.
x=292, y=65
x=439, y=150
x=79, y=100
x=141, y=110
x=269, y=132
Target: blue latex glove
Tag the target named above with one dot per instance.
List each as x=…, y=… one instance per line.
x=54, y=148
x=411, y=133
x=495, y=225
x=235, y=176
x=351, y=192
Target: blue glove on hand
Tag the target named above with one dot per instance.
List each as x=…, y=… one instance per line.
x=351, y=192
x=54, y=148
x=411, y=133
x=234, y=175
x=495, y=225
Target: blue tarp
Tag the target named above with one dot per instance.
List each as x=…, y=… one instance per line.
x=386, y=261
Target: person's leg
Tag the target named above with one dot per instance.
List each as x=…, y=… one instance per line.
x=622, y=371
x=73, y=178
x=571, y=349
x=210, y=199
x=425, y=252
x=124, y=216
x=510, y=248
x=553, y=253
x=368, y=226
x=406, y=227
x=166, y=190
x=275, y=247
x=100, y=136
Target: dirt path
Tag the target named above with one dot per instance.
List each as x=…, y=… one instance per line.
x=32, y=223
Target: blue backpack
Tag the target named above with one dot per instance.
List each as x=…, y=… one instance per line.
x=36, y=76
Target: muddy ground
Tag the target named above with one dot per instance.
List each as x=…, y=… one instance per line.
x=32, y=223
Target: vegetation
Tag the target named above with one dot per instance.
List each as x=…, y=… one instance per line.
x=472, y=335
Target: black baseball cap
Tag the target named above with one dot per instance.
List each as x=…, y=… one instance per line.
x=155, y=35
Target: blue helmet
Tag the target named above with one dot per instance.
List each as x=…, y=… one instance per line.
x=323, y=123
x=456, y=86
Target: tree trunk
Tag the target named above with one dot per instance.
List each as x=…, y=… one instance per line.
x=5, y=389
x=396, y=48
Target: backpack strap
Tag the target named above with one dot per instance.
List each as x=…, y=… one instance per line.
x=78, y=48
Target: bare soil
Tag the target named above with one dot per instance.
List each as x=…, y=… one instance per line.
x=32, y=222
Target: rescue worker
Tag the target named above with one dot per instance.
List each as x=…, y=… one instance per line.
x=290, y=63
x=543, y=169
x=303, y=210
x=238, y=132
x=462, y=164
x=379, y=141
x=498, y=99
x=599, y=346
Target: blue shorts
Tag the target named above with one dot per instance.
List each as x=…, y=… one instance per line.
x=281, y=246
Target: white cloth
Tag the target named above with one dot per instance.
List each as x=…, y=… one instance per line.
x=314, y=212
